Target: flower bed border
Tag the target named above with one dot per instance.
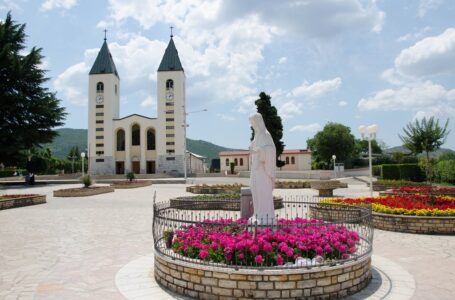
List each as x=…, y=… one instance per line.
x=208, y=282
x=189, y=203
x=130, y=184
x=22, y=201
x=83, y=192
x=207, y=189
x=414, y=224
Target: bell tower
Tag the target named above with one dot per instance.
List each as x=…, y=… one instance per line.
x=171, y=112
x=103, y=103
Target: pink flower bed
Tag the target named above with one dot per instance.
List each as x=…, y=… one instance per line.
x=229, y=242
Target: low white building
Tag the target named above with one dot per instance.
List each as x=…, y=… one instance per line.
x=295, y=159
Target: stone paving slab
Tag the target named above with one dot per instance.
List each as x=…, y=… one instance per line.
x=72, y=248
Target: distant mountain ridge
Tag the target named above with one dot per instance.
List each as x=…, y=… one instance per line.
x=69, y=137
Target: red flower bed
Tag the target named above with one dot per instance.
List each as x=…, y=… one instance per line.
x=425, y=189
x=406, y=204
x=295, y=241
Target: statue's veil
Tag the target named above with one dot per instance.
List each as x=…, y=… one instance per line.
x=263, y=139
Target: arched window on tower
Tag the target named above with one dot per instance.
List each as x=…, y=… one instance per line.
x=169, y=84
x=121, y=140
x=100, y=87
x=151, y=139
x=135, y=135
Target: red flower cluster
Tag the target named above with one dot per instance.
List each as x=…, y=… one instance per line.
x=425, y=189
x=406, y=202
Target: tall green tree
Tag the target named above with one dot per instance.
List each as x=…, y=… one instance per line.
x=29, y=111
x=272, y=122
x=334, y=138
x=426, y=136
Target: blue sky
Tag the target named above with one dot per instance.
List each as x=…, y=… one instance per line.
x=354, y=62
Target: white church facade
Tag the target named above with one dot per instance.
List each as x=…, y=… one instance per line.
x=137, y=143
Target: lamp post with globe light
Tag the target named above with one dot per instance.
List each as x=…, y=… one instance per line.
x=334, y=157
x=82, y=157
x=369, y=133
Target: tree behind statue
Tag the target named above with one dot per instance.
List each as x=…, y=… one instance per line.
x=272, y=122
x=28, y=111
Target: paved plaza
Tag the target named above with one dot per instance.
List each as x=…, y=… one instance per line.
x=100, y=247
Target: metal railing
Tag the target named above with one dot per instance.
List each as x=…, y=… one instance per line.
x=174, y=226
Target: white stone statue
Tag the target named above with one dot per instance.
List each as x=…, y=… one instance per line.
x=262, y=178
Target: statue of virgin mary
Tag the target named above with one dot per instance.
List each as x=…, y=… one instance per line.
x=262, y=178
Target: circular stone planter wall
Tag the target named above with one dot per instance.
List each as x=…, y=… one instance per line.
x=83, y=192
x=22, y=201
x=130, y=184
x=414, y=224
x=204, y=282
x=332, y=214
x=195, y=189
x=190, y=203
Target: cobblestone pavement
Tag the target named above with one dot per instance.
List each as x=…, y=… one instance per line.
x=72, y=248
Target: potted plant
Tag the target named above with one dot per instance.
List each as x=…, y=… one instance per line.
x=130, y=176
x=168, y=236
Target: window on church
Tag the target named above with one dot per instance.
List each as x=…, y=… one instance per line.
x=169, y=135
x=169, y=84
x=241, y=161
x=135, y=135
x=170, y=143
x=292, y=160
x=227, y=162
x=169, y=112
x=115, y=89
x=99, y=121
x=170, y=103
x=121, y=140
x=99, y=129
x=151, y=139
x=236, y=162
x=99, y=114
x=287, y=160
x=169, y=119
x=100, y=87
x=169, y=127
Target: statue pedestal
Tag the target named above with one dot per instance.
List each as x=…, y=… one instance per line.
x=246, y=203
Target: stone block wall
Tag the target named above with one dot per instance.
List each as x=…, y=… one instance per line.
x=331, y=213
x=204, y=282
x=414, y=224
x=225, y=204
x=22, y=201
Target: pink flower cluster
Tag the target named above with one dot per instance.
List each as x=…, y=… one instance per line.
x=231, y=242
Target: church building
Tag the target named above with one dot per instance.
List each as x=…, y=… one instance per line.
x=137, y=143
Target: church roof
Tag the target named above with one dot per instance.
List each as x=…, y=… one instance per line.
x=171, y=60
x=104, y=64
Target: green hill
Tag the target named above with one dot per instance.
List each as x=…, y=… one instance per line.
x=436, y=153
x=69, y=138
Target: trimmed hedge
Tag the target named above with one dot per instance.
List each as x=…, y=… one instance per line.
x=401, y=172
x=7, y=173
x=444, y=171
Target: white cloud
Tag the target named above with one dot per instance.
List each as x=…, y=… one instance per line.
x=12, y=5
x=225, y=117
x=289, y=109
x=71, y=84
x=342, y=103
x=414, y=36
x=426, y=5
x=150, y=101
x=430, y=56
x=282, y=60
x=58, y=4
x=311, y=128
x=317, y=88
x=421, y=96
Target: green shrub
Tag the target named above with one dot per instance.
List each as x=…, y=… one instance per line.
x=444, y=171
x=130, y=176
x=87, y=181
x=6, y=173
x=377, y=171
x=397, y=183
x=410, y=172
x=232, y=166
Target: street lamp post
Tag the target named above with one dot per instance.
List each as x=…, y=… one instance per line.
x=369, y=133
x=82, y=156
x=185, y=125
x=334, y=157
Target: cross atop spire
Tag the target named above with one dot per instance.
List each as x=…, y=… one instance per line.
x=172, y=35
x=105, y=32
